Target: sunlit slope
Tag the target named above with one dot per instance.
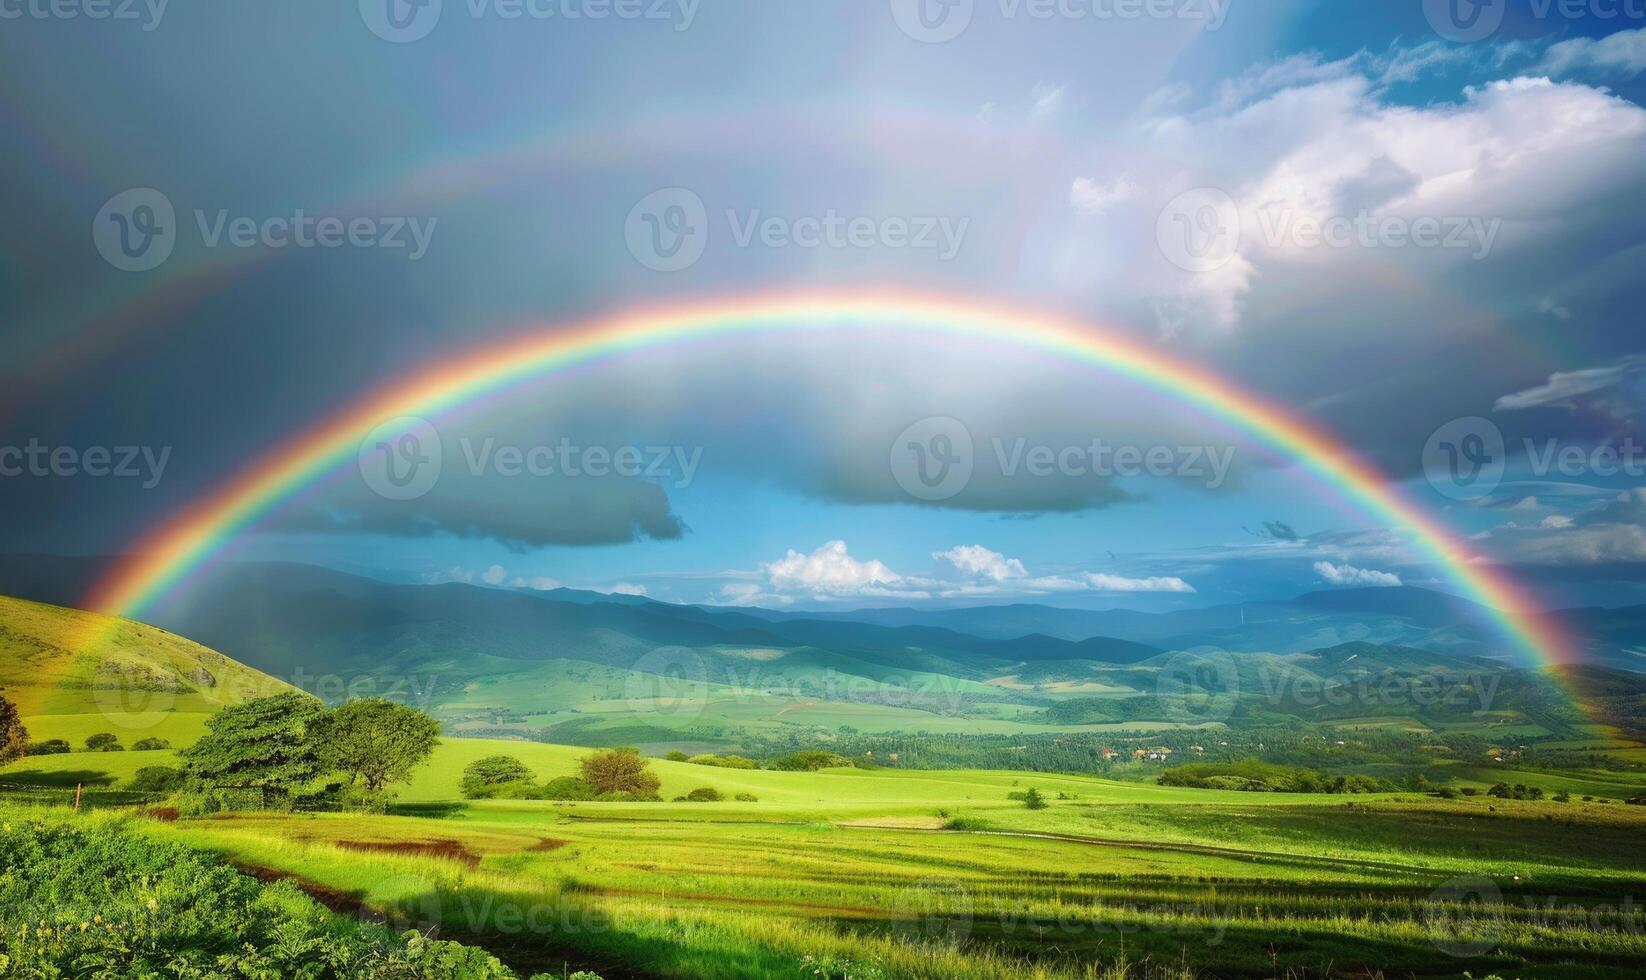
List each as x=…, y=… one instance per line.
x=73, y=673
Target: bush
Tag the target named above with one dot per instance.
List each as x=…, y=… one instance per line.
x=1033, y=800
x=620, y=773
x=675, y=755
x=702, y=794
x=157, y=779
x=51, y=746
x=482, y=777
x=118, y=904
x=810, y=760
x=746, y=798
x=103, y=742
x=724, y=761
x=150, y=745
x=568, y=788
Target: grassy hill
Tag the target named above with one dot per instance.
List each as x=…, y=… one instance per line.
x=73, y=673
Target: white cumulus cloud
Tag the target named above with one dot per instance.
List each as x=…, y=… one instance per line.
x=1346, y=574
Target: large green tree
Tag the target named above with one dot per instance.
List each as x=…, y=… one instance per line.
x=271, y=745
x=13, y=736
x=376, y=742
x=620, y=771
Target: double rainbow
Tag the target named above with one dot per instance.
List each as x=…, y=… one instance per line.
x=162, y=558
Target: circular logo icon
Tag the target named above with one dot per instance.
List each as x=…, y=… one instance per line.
x=401, y=459
x=671, y=681
x=933, y=458
x=1199, y=230
x=130, y=694
x=1464, y=916
x=668, y=229
x=1465, y=21
x=1464, y=458
x=932, y=21
x=400, y=21
x=933, y=910
x=136, y=230
x=1198, y=685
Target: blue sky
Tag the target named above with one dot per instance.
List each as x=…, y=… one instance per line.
x=503, y=167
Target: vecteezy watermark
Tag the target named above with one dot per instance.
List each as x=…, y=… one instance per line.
x=1198, y=685
x=1203, y=229
x=1464, y=916
x=145, y=464
x=1466, y=458
x=403, y=458
x=137, y=230
x=404, y=21
x=147, y=13
x=937, y=21
x=668, y=230
x=935, y=459
x=1466, y=21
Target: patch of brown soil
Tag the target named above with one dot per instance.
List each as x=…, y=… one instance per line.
x=438, y=847
x=547, y=844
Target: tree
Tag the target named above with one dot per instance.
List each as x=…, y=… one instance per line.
x=482, y=776
x=271, y=745
x=13, y=736
x=620, y=771
x=150, y=745
x=377, y=742
x=675, y=755
x=1033, y=800
x=103, y=742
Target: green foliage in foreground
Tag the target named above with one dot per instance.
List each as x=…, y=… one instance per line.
x=87, y=898
x=1254, y=775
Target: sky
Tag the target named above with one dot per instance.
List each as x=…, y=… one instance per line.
x=1417, y=225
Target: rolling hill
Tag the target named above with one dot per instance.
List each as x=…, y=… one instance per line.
x=72, y=673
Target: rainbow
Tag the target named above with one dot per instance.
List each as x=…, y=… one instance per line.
x=160, y=560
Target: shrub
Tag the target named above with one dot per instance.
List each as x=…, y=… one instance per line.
x=703, y=794
x=103, y=742
x=157, y=779
x=620, y=773
x=675, y=755
x=809, y=760
x=746, y=798
x=1033, y=800
x=150, y=745
x=724, y=761
x=482, y=777
x=51, y=746
x=568, y=788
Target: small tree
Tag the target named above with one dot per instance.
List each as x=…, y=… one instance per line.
x=271, y=745
x=103, y=742
x=1033, y=800
x=150, y=745
x=482, y=776
x=377, y=742
x=13, y=736
x=620, y=771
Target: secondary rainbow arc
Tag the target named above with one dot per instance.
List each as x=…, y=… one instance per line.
x=163, y=557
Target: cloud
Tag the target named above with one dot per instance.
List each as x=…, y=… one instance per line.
x=494, y=575
x=1047, y=99
x=830, y=570
x=1621, y=55
x=1350, y=575
x=1100, y=582
x=538, y=583
x=623, y=588
x=979, y=561
x=1091, y=197
x=1615, y=388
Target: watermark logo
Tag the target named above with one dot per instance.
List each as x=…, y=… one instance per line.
x=1198, y=685
x=403, y=903
x=671, y=681
x=1465, y=21
x=129, y=695
x=933, y=459
x=1199, y=230
x=136, y=230
x=149, y=12
x=668, y=229
x=933, y=21
x=401, y=21
x=935, y=911
x=401, y=458
x=1464, y=458
x=1464, y=916
x=145, y=464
